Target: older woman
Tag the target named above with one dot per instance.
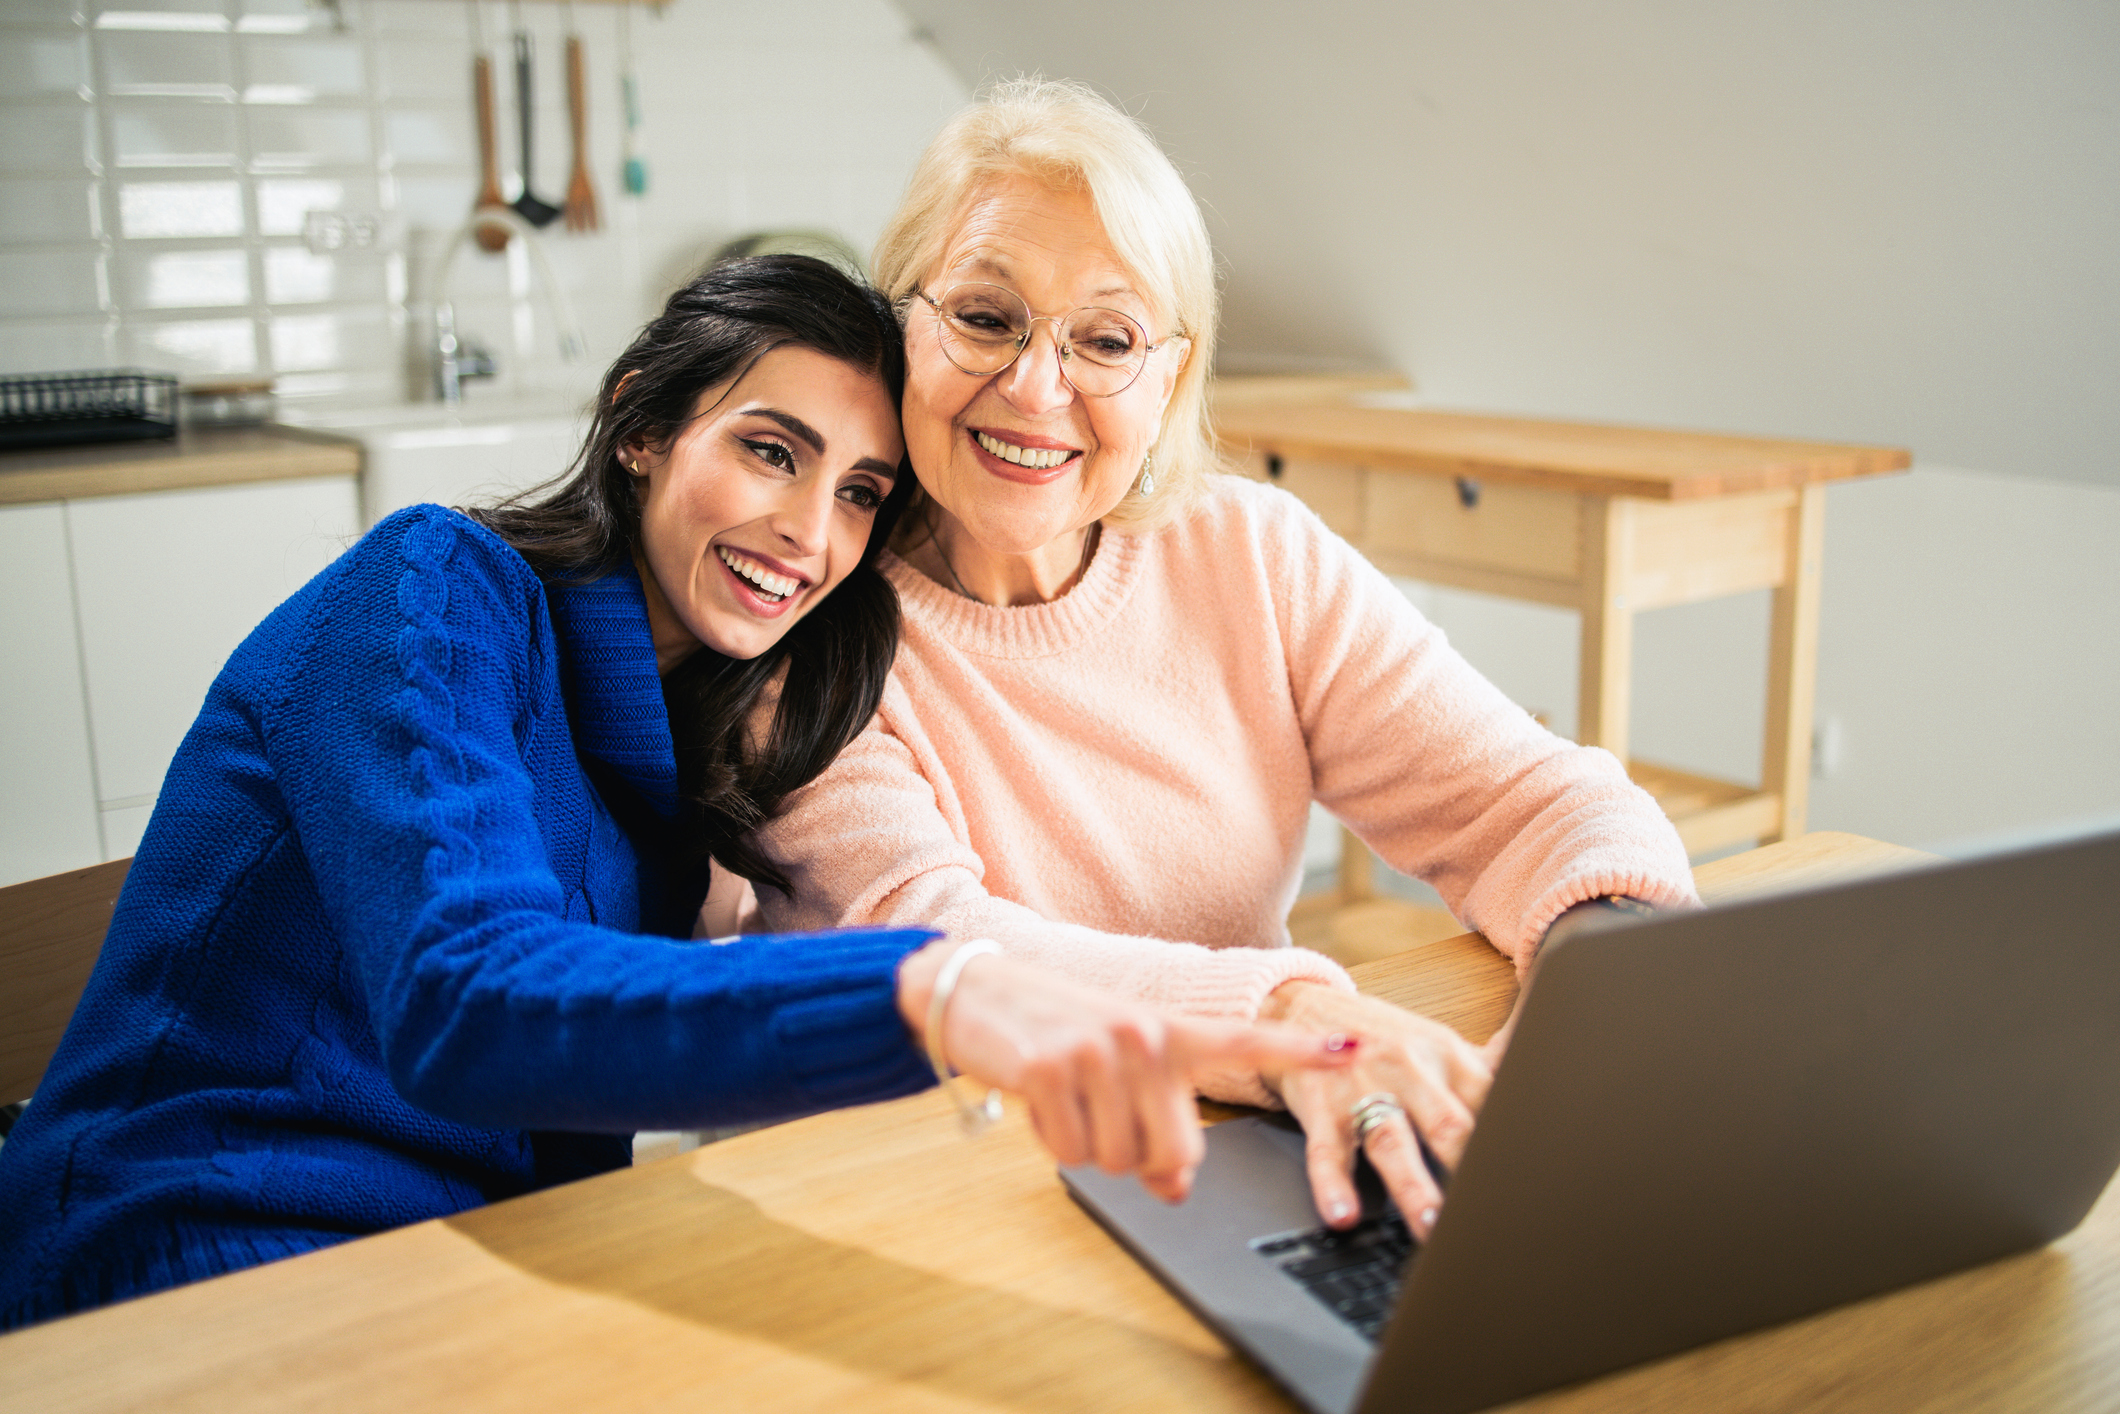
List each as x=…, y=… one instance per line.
x=1124, y=678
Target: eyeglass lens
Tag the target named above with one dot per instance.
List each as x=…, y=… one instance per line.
x=986, y=326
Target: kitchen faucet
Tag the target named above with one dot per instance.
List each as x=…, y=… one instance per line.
x=454, y=359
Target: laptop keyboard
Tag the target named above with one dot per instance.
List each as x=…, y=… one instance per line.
x=1354, y=1274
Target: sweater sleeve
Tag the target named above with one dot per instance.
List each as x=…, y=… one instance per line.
x=397, y=742
x=1437, y=771
x=868, y=843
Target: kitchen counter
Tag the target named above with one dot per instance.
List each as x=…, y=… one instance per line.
x=206, y=456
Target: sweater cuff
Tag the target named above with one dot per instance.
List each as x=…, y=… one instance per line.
x=1233, y=987
x=844, y=1041
x=1232, y=983
x=1659, y=891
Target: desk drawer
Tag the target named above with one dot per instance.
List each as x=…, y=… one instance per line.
x=1519, y=530
x=1332, y=489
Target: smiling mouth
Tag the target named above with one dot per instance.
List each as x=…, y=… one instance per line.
x=1029, y=458
x=771, y=587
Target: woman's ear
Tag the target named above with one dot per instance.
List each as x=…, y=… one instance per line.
x=1173, y=370
x=628, y=451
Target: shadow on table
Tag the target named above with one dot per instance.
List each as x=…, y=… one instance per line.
x=706, y=1255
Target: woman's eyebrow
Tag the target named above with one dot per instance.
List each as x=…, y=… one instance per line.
x=795, y=426
x=798, y=428
x=979, y=263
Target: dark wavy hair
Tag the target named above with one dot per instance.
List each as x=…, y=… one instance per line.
x=586, y=524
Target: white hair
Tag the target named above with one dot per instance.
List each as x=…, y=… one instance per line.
x=1068, y=135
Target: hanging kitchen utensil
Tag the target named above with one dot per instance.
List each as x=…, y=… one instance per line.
x=635, y=171
x=491, y=236
x=528, y=206
x=581, y=192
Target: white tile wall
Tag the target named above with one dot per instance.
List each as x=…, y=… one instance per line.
x=158, y=159
x=47, y=138
x=49, y=211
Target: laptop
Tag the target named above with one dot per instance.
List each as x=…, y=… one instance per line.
x=1706, y=1123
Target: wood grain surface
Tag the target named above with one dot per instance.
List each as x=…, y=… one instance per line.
x=50, y=932
x=206, y=456
x=874, y=1259
x=1589, y=458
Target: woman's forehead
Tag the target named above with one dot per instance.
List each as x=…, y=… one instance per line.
x=1043, y=242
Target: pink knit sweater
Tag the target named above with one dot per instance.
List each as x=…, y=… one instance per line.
x=1116, y=783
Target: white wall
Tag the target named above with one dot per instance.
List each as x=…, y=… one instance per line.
x=1885, y=220
x=157, y=159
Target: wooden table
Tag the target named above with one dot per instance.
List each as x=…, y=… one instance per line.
x=1608, y=521
x=874, y=1259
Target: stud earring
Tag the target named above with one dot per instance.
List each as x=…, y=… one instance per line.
x=1147, y=484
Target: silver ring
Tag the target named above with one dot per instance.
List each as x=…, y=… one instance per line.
x=1375, y=1109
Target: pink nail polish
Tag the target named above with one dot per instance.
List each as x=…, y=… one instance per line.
x=1341, y=1210
x=1339, y=1041
x=1428, y=1220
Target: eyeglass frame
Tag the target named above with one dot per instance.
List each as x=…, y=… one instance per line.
x=1062, y=350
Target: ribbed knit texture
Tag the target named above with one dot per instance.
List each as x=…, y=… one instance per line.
x=398, y=942
x=1117, y=783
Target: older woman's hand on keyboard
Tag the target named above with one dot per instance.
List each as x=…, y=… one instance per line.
x=1433, y=1080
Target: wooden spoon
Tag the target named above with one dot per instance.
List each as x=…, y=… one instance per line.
x=581, y=192
x=490, y=235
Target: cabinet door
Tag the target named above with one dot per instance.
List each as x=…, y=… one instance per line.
x=47, y=784
x=168, y=584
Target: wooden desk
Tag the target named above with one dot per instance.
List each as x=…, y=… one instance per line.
x=1608, y=521
x=875, y=1260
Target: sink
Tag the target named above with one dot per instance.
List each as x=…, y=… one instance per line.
x=453, y=456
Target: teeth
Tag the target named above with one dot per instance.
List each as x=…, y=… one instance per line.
x=775, y=587
x=1036, y=458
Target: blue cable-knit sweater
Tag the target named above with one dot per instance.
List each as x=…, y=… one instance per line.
x=399, y=941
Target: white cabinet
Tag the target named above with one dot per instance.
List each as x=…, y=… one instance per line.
x=161, y=588
x=47, y=779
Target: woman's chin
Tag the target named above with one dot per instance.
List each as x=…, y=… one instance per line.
x=1013, y=519
x=1016, y=537
x=741, y=636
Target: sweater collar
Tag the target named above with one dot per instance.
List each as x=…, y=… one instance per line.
x=615, y=698
x=1030, y=630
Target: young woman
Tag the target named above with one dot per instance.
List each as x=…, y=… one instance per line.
x=408, y=931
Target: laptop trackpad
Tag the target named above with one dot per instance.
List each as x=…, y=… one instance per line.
x=1252, y=1185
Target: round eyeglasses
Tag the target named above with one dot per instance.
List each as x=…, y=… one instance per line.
x=985, y=328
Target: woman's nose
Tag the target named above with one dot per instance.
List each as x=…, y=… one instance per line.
x=804, y=517
x=1034, y=383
